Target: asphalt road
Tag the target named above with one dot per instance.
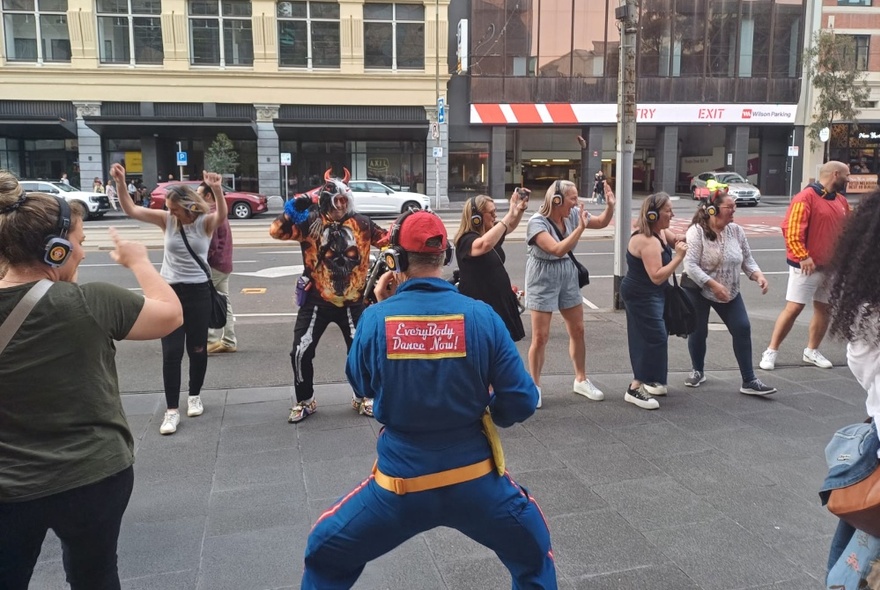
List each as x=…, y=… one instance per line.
x=263, y=288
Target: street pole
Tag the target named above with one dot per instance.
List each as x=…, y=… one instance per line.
x=179, y=168
x=436, y=205
x=626, y=139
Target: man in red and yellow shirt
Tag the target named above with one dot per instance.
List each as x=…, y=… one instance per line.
x=814, y=220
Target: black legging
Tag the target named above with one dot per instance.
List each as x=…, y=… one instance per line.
x=196, y=302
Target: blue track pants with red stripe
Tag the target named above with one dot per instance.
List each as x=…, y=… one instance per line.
x=371, y=521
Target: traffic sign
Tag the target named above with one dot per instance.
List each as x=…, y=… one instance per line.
x=824, y=134
x=181, y=158
x=438, y=152
x=441, y=110
x=793, y=151
x=286, y=159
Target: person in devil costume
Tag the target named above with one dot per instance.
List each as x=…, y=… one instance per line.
x=335, y=245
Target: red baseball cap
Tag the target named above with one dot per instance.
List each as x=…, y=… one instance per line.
x=424, y=233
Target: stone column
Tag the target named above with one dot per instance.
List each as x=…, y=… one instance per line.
x=268, y=150
x=666, y=160
x=497, y=160
x=435, y=166
x=150, y=159
x=91, y=161
x=737, y=144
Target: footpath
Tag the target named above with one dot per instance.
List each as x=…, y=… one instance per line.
x=715, y=490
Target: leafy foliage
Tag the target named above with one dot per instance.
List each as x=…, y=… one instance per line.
x=221, y=156
x=840, y=86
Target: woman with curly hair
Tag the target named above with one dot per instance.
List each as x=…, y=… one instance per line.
x=855, y=297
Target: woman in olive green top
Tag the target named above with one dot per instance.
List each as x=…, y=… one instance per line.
x=66, y=451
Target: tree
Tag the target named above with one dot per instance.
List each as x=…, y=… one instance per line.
x=832, y=68
x=221, y=157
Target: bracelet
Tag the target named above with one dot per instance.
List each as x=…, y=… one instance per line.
x=506, y=227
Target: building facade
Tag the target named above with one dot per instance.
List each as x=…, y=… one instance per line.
x=719, y=85
x=334, y=84
x=856, y=142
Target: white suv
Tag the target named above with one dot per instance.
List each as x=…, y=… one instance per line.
x=372, y=197
x=95, y=204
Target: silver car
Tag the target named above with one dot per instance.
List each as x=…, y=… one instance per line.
x=737, y=187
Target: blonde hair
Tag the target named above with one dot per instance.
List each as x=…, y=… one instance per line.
x=189, y=199
x=654, y=202
x=23, y=230
x=560, y=186
x=473, y=206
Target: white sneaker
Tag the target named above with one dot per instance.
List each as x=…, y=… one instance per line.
x=588, y=390
x=539, y=399
x=768, y=359
x=655, y=388
x=811, y=355
x=170, y=422
x=194, y=406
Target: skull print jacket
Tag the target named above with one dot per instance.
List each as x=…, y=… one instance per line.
x=336, y=254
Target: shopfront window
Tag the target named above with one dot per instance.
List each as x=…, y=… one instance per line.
x=130, y=31
x=468, y=168
x=9, y=156
x=394, y=36
x=221, y=33
x=308, y=34
x=36, y=30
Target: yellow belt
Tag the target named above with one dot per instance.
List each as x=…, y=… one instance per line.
x=431, y=481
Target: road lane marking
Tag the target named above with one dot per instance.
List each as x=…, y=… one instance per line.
x=273, y=272
x=589, y=303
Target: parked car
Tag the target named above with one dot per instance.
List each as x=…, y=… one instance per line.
x=96, y=204
x=241, y=205
x=738, y=187
x=373, y=197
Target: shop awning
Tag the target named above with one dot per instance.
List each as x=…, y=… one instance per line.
x=204, y=128
x=346, y=131
x=38, y=128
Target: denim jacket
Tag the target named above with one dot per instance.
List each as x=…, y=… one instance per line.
x=851, y=457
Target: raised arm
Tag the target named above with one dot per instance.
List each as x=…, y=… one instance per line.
x=213, y=180
x=117, y=172
x=161, y=313
x=486, y=242
x=604, y=218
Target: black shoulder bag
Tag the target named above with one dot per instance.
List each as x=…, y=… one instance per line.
x=218, y=300
x=583, y=272
x=679, y=313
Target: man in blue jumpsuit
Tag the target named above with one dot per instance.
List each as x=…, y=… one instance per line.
x=428, y=356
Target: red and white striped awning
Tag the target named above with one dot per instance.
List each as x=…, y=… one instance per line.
x=592, y=114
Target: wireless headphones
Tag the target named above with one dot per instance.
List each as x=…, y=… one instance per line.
x=652, y=215
x=476, y=217
x=56, y=246
x=557, y=194
x=396, y=258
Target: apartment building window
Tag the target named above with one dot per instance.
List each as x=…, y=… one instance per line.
x=221, y=33
x=308, y=34
x=394, y=36
x=36, y=30
x=861, y=46
x=854, y=2
x=130, y=32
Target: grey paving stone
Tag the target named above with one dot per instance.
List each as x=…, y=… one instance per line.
x=181, y=580
x=172, y=462
x=659, y=439
x=661, y=577
x=51, y=549
x=774, y=515
x=729, y=400
x=271, y=467
x=328, y=480
x=790, y=423
x=703, y=551
x=151, y=548
x=606, y=464
x=137, y=404
x=597, y=543
x=485, y=573
x=325, y=445
x=448, y=545
x=841, y=387
x=799, y=583
x=408, y=566
x=655, y=503
x=257, y=507
x=614, y=411
x=259, y=394
x=820, y=404
x=48, y=575
x=256, y=413
x=701, y=415
x=802, y=477
x=268, y=558
x=710, y=472
x=522, y=455
x=567, y=431
x=751, y=445
x=559, y=491
x=158, y=499
x=254, y=438
x=810, y=555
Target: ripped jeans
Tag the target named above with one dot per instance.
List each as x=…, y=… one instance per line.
x=195, y=298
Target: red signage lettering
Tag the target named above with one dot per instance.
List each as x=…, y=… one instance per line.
x=747, y=114
x=643, y=114
x=710, y=113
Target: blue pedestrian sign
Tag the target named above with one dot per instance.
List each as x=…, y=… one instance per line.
x=181, y=158
x=441, y=110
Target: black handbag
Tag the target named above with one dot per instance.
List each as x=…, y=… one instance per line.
x=583, y=272
x=678, y=312
x=217, y=319
x=689, y=283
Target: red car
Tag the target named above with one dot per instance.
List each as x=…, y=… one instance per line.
x=241, y=205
